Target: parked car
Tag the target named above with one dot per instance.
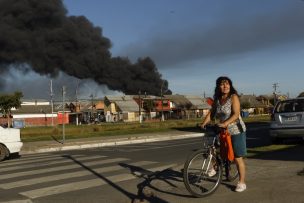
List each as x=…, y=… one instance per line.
x=288, y=119
x=10, y=142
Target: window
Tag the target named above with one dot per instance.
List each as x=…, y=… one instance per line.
x=296, y=105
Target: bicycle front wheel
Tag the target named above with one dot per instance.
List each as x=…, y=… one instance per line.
x=197, y=177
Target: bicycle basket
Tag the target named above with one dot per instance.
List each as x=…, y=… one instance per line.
x=208, y=141
x=212, y=130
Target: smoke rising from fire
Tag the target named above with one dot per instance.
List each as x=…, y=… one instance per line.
x=38, y=35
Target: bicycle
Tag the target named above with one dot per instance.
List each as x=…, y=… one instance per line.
x=197, y=178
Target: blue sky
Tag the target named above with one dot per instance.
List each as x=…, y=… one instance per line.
x=255, y=43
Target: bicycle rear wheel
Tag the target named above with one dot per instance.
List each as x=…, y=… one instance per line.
x=196, y=178
x=231, y=170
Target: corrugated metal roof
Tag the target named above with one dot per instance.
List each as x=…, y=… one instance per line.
x=127, y=106
x=179, y=100
x=125, y=103
x=113, y=98
x=198, y=102
x=33, y=109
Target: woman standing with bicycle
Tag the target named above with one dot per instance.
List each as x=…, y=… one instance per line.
x=226, y=108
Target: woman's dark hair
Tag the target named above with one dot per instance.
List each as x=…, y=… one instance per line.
x=217, y=92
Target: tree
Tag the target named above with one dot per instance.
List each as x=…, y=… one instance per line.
x=9, y=101
x=245, y=105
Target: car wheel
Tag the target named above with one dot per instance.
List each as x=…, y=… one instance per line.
x=3, y=152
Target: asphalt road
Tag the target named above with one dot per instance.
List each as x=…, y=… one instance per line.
x=120, y=174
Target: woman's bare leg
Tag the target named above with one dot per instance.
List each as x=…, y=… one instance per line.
x=241, y=168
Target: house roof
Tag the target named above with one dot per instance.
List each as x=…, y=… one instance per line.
x=127, y=106
x=252, y=100
x=86, y=105
x=33, y=109
x=114, y=98
x=125, y=103
x=265, y=96
x=179, y=100
x=57, y=107
x=198, y=102
x=34, y=101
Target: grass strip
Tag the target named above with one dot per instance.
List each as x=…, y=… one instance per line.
x=44, y=133
x=251, y=152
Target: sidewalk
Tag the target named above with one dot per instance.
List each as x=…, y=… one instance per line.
x=72, y=144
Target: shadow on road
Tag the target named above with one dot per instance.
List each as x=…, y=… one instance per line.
x=189, y=129
x=168, y=176
x=134, y=198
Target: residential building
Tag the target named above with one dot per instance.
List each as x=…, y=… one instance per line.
x=200, y=106
x=180, y=106
x=34, y=113
x=256, y=106
x=121, y=108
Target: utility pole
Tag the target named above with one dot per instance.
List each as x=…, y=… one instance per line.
x=162, y=102
x=76, y=95
x=52, y=103
x=63, y=116
x=92, y=112
x=139, y=106
x=275, y=86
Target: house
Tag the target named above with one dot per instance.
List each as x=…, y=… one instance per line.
x=266, y=100
x=180, y=106
x=121, y=108
x=200, y=106
x=34, y=113
x=87, y=111
x=255, y=106
x=162, y=106
x=152, y=106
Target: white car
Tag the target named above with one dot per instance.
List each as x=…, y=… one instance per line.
x=10, y=142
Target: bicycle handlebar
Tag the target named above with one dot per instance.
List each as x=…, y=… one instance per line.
x=211, y=128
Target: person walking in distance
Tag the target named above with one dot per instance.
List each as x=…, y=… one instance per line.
x=226, y=109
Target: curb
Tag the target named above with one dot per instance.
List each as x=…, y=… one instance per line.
x=104, y=143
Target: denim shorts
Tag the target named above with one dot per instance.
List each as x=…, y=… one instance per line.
x=239, y=144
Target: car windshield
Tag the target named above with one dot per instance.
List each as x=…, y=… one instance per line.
x=296, y=105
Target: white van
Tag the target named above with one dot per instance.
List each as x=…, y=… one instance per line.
x=10, y=142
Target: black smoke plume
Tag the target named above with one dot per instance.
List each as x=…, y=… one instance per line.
x=39, y=34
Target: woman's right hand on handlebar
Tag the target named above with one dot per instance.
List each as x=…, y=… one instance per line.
x=203, y=126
